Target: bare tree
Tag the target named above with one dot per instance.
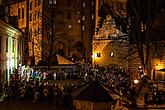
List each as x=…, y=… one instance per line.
x=137, y=25
x=53, y=32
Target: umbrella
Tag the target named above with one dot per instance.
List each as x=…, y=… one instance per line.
x=162, y=70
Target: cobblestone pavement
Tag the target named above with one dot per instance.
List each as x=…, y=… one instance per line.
x=16, y=104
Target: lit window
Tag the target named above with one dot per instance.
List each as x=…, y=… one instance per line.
x=83, y=4
x=92, y=3
x=50, y=1
x=83, y=18
x=54, y=2
x=93, y=16
x=70, y=26
x=78, y=21
x=111, y=54
x=83, y=27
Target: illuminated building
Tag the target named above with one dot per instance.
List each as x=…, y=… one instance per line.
x=74, y=26
x=102, y=44
x=106, y=52
x=11, y=48
x=14, y=13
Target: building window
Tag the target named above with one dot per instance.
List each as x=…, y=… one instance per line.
x=69, y=15
x=50, y=2
x=35, y=3
x=92, y=3
x=111, y=54
x=30, y=35
x=83, y=18
x=98, y=54
x=31, y=3
x=7, y=44
x=120, y=6
x=39, y=30
x=30, y=16
x=35, y=32
x=18, y=13
x=68, y=3
x=70, y=26
x=83, y=27
x=39, y=2
x=13, y=45
x=83, y=4
x=35, y=15
x=93, y=16
x=38, y=14
x=53, y=2
x=78, y=21
x=22, y=13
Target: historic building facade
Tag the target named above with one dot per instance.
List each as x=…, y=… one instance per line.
x=122, y=55
x=11, y=50
x=108, y=49
x=73, y=26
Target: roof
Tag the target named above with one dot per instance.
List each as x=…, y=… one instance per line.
x=63, y=61
x=162, y=70
x=96, y=92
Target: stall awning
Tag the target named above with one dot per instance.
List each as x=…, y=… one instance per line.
x=63, y=61
x=162, y=70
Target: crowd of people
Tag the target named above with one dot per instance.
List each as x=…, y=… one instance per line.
x=34, y=85
x=38, y=85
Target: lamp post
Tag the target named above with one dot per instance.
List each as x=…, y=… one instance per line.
x=134, y=94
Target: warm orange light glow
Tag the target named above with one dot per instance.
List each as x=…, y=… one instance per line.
x=136, y=81
x=94, y=56
x=159, y=66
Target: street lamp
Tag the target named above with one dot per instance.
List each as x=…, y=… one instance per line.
x=134, y=94
x=136, y=81
x=94, y=56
